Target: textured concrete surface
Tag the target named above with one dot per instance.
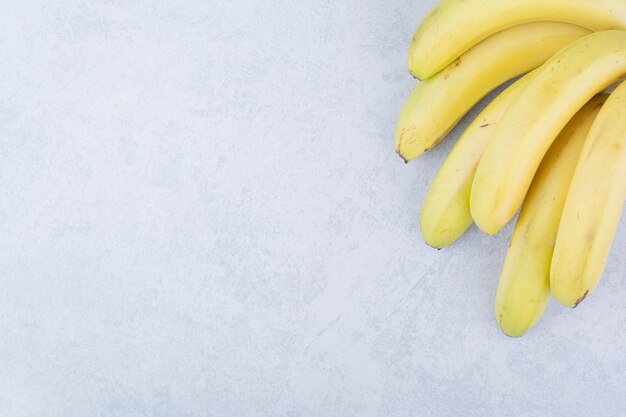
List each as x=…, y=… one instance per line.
x=202, y=215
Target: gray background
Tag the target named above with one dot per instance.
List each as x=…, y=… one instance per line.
x=202, y=215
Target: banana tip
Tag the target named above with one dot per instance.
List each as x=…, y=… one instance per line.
x=580, y=300
x=486, y=227
x=433, y=246
x=406, y=161
x=413, y=67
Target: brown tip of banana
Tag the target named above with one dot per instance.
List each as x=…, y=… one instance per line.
x=406, y=161
x=414, y=74
x=580, y=300
x=411, y=66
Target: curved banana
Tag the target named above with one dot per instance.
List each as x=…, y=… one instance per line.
x=454, y=26
x=593, y=206
x=446, y=209
x=557, y=91
x=524, y=287
x=436, y=105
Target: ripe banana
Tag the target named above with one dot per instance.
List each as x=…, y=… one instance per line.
x=446, y=210
x=524, y=287
x=454, y=26
x=593, y=206
x=437, y=104
x=556, y=92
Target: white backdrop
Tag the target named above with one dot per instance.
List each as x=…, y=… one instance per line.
x=202, y=214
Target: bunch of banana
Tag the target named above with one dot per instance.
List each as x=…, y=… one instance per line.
x=552, y=143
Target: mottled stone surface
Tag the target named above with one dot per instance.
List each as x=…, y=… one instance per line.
x=202, y=214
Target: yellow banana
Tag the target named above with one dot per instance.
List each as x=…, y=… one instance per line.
x=593, y=206
x=455, y=26
x=437, y=104
x=529, y=126
x=446, y=210
x=524, y=287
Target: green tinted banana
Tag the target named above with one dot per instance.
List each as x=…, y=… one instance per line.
x=437, y=104
x=593, y=206
x=455, y=26
x=446, y=210
x=529, y=126
x=524, y=287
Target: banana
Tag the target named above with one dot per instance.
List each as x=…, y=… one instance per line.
x=455, y=26
x=446, y=209
x=529, y=126
x=593, y=206
x=524, y=287
x=437, y=104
